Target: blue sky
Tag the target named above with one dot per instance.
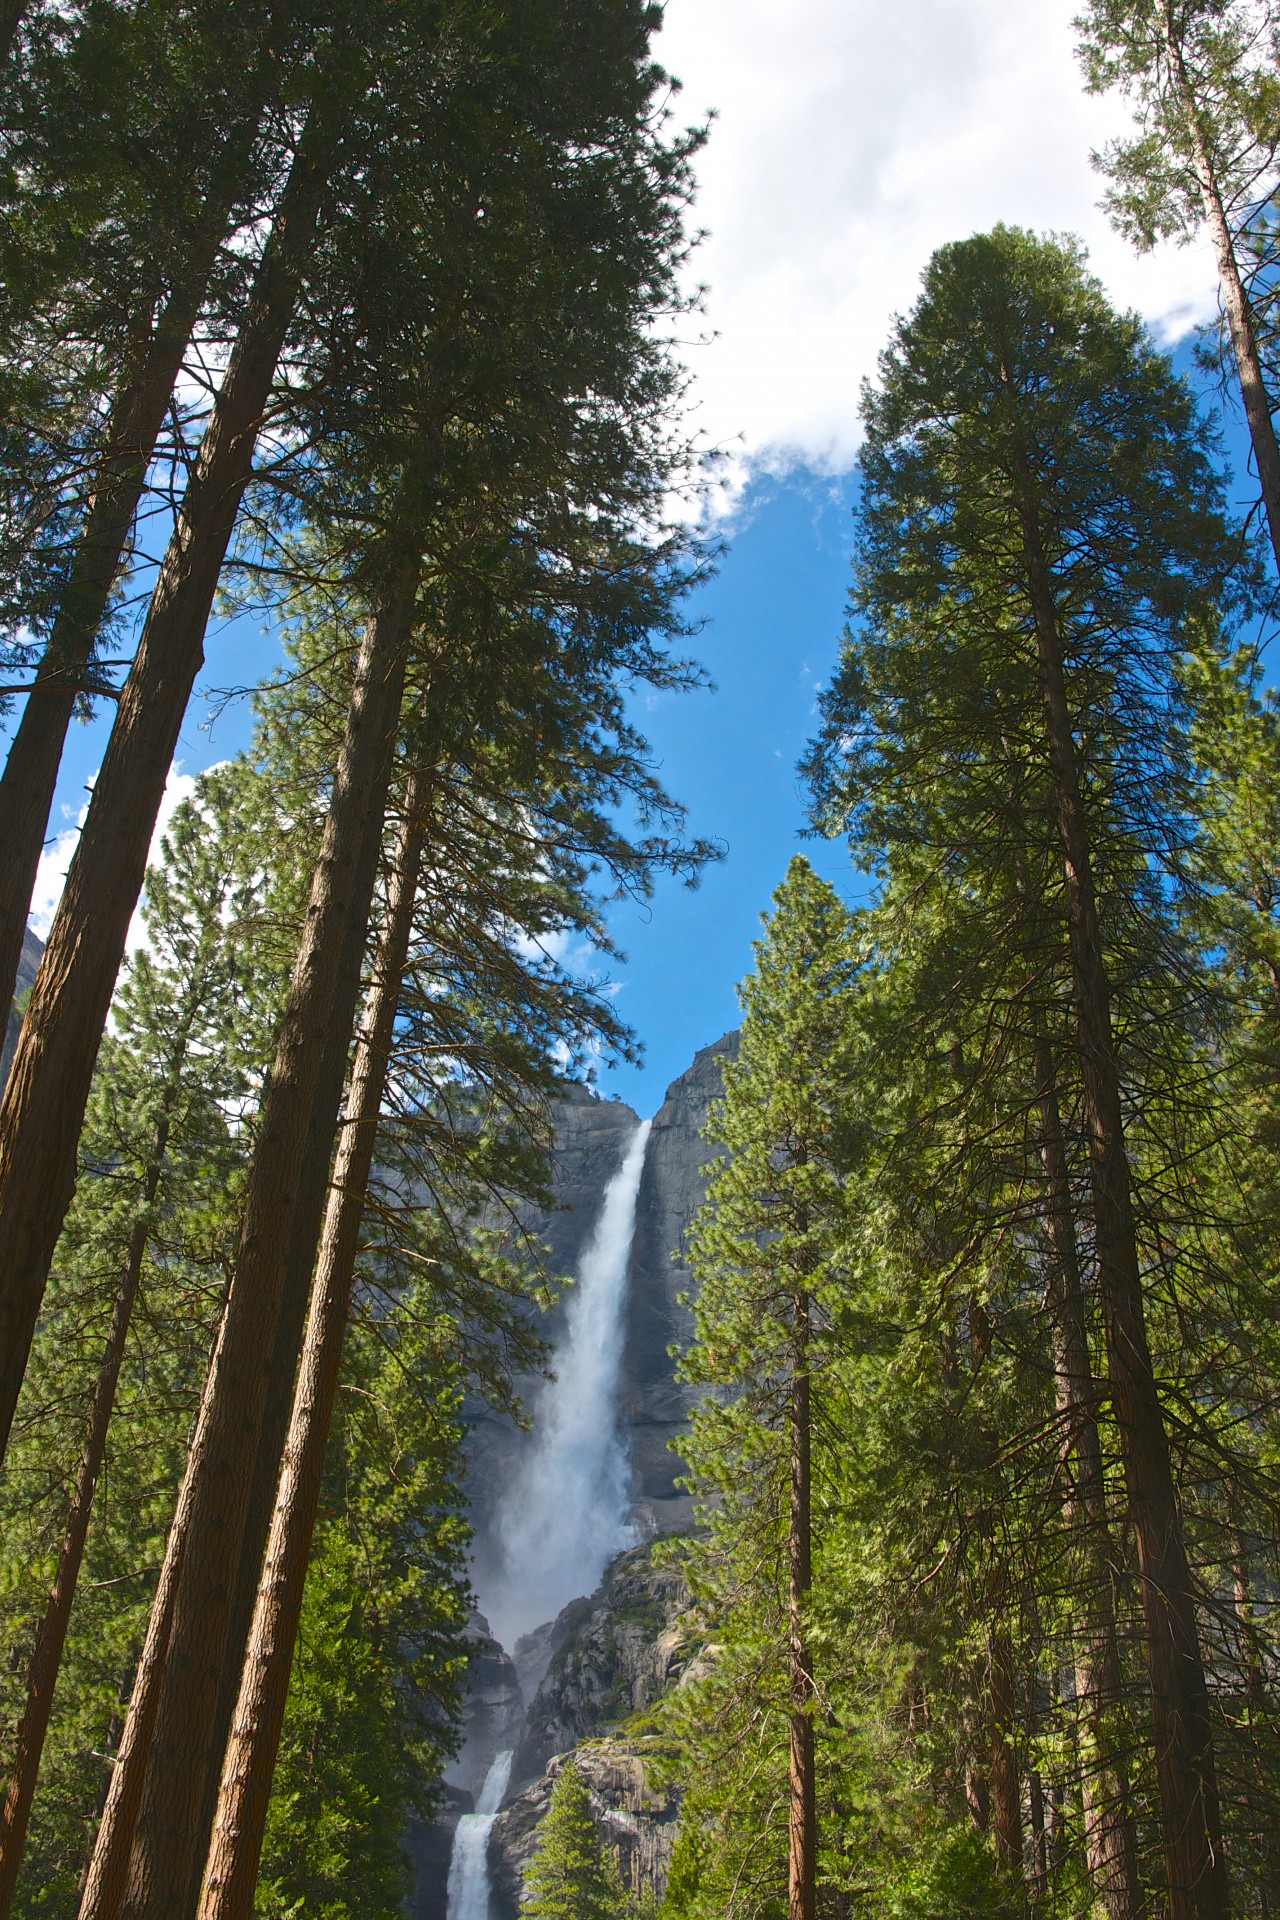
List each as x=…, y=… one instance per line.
x=850, y=141
x=772, y=620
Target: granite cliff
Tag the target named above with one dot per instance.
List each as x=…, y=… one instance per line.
x=574, y=1680
x=27, y=964
x=591, y=1136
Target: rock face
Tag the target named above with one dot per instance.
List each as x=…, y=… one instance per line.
x=634, y=1820
x=27, y=964
x=654, y=1409
x=615, y=1653
x=493, y=1712
x=591, y=1137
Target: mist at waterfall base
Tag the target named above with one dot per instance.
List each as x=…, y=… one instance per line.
x=564, y=1516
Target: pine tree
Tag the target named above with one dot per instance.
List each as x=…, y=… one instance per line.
x=1041, y=534
x=1202, y=75
x=765, y=1255
x=572, y=1875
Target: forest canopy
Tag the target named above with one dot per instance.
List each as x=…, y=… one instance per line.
x=365, y=321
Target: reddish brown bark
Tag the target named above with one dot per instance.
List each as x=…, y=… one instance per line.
x=1111, y=1848
x=46, y=1655
x=1191, y=1823
x=104, y=1882
x=132, y=430
x=1006, y=1778
x=235, y=1849
x=48, y=1085
x=170, y=1842
x=802, y=1851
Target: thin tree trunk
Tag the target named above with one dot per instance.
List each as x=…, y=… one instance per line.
x=46, y=1656
x=102, y=1888
x=235, y=1850
x=1194, y=1862
x=1253, y=392
x=1111, y=1847
x=1006, y=1782
x=1038, y=1862
x=298, y=1264
x=48, y=1084
x=802, y=1867
x=133, y=428
x=170, y=1843
x=47, y=1653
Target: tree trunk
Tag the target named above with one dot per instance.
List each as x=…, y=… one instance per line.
x=132, y=430
x=103, y=1886
x=1253, y=392
x=48, y=1085
x=1194, y=1862
x=47, y=1653
x=802, y=1852
x=236, y=1846
x=170, y=1843
x=1111, y=1847
x=1006, y=1781
x=299, y=1261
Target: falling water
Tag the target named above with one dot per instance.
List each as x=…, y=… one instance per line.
x=468, y=1897
x=565, y=1514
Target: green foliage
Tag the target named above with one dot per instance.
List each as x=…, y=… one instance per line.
x=885, y=1131
x=957, y=1882
x=573, y=1876
x=375, y=1683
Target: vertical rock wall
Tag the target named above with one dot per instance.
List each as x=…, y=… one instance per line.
x=655, y=1409
x=27, y=964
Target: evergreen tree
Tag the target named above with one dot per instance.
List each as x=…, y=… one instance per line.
x=1202, y=76
x=766, y=1259
x=1041, y=535
x=572, y=1875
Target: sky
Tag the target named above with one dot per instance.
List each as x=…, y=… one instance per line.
x=850, y=139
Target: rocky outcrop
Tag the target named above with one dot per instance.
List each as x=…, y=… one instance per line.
x=635, y=1818
x=614, y=1654
x=493, y=1709
x=27, y=964
x=654, y=1409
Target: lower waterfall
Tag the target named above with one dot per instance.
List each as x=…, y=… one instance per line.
x=565, y=1513
x=468, y=1897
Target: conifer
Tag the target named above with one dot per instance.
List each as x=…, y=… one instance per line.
x=573, y=1876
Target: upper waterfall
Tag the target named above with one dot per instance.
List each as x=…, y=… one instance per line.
x=564, y=1514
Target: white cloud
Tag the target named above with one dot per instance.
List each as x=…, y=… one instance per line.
x=56, y=858
x=854, y=139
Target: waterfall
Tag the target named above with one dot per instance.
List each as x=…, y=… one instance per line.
x=565, y=1513
x=468, y=1897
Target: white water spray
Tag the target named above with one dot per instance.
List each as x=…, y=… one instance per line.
x=565, y=1514
x=468, y=1896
